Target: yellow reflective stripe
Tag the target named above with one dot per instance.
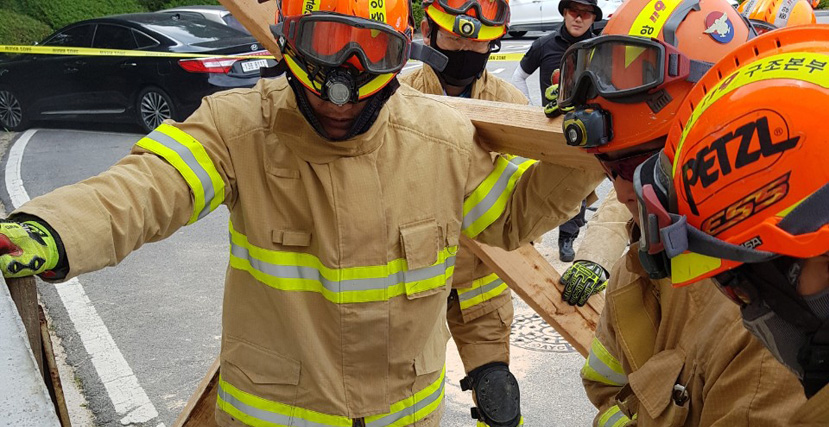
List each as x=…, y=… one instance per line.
x=256, y=411
x=191, y=160
x=293, y=271
x=688, y=266
x=613, y=417
x=487, y=202
x=447, y=22
x=482, y=289
x=377, y=10
x=804, y=66
x=652, y=18
x=603, y=367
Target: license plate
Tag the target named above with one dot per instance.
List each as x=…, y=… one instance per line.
x=254, y=65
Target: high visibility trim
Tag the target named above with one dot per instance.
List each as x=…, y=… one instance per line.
x=256, y=411
x=602, y=367
x=482, y=289
x=292, y=271
x=447, y=22
x=191, y=160
x=487, y=202
x=369, y=88
x=613, y=417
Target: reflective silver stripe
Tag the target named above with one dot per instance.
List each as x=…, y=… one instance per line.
x=188, y=158
x=489, y=200
x=480, y=291
x=785, y=12
x=411, y=410
x=748, y=8
x=615, y=418
x=263, y=415
x=309, y=273
x=606, y=371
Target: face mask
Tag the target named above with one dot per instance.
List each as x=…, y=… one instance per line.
x=463, y=66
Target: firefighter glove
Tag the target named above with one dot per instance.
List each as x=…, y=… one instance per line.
x=551, y=108
x=581, y=280
x=495, y=391
x=27, y=248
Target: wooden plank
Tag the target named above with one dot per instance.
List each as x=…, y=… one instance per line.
x=24, y=294
x=522, y=130
x=201, y=408
x=257, y=17
x=52, y=375
x=530, y=276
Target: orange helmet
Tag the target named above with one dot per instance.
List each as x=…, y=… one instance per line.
x=369, y=40
x=481, y=20
x=743, y=173
x=627, y=83
x=770, y=14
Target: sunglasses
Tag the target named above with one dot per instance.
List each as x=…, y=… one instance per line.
x=583, y=13
x=624, y=167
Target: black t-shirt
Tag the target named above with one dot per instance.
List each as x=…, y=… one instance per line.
x=546, y=53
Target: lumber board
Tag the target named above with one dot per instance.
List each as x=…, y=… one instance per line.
x=257, y=17
x=201, y=408
x=530, y=276
x=24, y=294
x=52, y=375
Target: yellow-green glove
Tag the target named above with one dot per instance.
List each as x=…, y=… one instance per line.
x=551, y=108
x=26, y=249
x=581, y=280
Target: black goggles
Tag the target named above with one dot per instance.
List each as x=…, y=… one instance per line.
x=329, y=40
x=489, y=12
x=622, y=66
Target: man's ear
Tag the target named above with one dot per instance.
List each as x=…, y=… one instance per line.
x=426, y=32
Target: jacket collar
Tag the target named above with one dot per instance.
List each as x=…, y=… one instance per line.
x=294, y=131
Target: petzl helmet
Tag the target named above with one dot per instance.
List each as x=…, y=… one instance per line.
x=481, y=20
x=628, y=82
x=770, y=14
x=744, y=174
x=362, y=44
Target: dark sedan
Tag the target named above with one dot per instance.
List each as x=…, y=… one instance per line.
x=144, y=90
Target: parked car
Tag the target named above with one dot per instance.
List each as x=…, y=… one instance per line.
x=216, y=14
x=146, y=90
x=542, y=15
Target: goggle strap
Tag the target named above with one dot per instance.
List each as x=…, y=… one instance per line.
x=676, y=18
x=680, y=237
x=429, y=56
x=810, y=215
x=277, y=30
x=697, y=70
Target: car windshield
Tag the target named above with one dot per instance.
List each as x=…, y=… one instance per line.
x=190, y=31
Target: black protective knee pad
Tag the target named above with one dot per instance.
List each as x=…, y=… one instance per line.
x=496, y=394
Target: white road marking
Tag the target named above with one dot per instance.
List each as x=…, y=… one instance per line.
x=497, y=70
x=128, y=397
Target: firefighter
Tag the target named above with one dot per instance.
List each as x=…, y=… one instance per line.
x=752, y=216
x=766, y=15
x=662, y=356
x=480, y=310
x=347, y=196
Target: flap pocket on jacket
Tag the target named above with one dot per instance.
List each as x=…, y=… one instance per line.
x=420, y=243
x=654, y=382
x=291, y=237
x=283, y=172
x=246, y=365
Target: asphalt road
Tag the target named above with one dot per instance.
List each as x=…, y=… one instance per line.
x=141, y=335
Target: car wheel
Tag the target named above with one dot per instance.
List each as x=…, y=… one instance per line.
x=517, y=34
x=154, y=106
x=12, y=115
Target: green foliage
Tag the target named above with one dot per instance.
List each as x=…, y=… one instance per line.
x=57, y=13
x=824, y=4
x=17, y=29
x=417, y=11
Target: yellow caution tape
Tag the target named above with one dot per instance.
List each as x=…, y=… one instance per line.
x=86, y=51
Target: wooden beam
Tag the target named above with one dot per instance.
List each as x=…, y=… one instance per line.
x=530, y=276
x=522, y=130
x=24, y=294
x=52, y=375
x=257, y=17
x=201, y=408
